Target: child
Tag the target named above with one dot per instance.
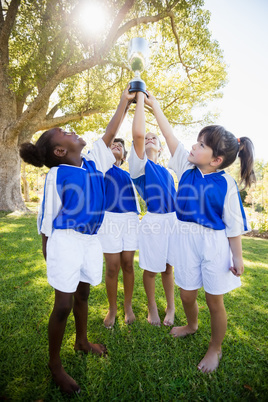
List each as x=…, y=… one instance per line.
x=119, y=233
x=70, y=216
x=211, y=220
x=156, y=186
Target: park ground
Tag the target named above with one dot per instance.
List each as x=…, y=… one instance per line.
x=144, y=363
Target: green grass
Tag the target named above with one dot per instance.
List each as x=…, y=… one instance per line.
x=144, y=363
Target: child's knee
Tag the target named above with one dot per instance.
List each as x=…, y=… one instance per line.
x=215, y=303
x=188, y=297
x=149, y=274
x=112, y=271
x=62, y=310
x=128, y=268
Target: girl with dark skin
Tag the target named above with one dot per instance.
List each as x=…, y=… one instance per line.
x=61, y=151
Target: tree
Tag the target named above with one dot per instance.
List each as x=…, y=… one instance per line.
x=52, y=73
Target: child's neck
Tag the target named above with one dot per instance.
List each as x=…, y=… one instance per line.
x=73, y=160
x=117, y=162
x=152, y=155
x=207, y=169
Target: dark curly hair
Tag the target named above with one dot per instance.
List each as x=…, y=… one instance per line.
x=41, y=153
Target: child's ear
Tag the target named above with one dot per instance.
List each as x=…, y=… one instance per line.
x=216, y=162
x=60, y=152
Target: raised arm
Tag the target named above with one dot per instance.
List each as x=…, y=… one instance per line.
x=118, y=117
x=165, y=127
x=138, y=126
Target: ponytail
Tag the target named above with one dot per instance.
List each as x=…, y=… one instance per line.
x=224, y=143
x=41, y=153
x=30, y=153
x=245, y=153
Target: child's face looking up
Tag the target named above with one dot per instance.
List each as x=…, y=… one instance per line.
x=118, y=150
x=68, y=140
x=152, y=140
x=201, y=155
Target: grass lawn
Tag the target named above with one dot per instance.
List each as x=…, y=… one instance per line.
x=144, y=363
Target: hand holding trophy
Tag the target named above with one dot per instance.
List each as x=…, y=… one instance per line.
x=138, y=57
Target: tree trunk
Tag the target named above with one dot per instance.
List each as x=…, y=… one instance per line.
x=25, y=182
x=10, y=187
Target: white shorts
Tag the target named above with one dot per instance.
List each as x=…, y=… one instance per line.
x=203, y=258
x=73, y=257
x=119, y=232
x=155, y=234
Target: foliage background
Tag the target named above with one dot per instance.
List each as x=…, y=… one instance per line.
x=54, y=73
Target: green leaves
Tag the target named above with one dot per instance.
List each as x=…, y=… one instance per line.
x=49, y=51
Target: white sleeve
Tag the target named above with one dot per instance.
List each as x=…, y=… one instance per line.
x=51, y=204
x=179, y=161
x=136, y=165
x=233, y=212
x=136, y=197
x=101, y=155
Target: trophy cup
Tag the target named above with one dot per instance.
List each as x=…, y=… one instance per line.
x=138, y=56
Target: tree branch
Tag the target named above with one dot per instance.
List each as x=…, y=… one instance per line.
x=49, y=123
x=52, y=111
x=64, y=119
x=8, y=23
x=187, y=68
x=141, y=20
x=111, y=37
x=1, y=16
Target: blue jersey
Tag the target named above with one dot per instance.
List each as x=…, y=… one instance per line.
x=119, y=191
x=211, y=200
x=154, y=183
x=74, y=197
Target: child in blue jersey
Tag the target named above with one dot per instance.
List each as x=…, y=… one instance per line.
x=207, y=243
x=119, y=233
x=156, y=186
x=70, y=216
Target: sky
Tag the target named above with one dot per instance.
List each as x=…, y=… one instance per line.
x=241, y=28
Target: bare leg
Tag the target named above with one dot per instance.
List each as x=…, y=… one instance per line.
x=188, y=298
x=211, y=360
x=127, y=264
x=168, y=285
x=111, y=280
x=149, y=286
x=80, y=310
x=56, y=328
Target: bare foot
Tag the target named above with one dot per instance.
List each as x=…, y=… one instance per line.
x=210, y=361
x=109, y=320
x=95, y=348
x=169, y=318
x=153, y=317
x=63, y=380
x=182, y=331
x=129, y=316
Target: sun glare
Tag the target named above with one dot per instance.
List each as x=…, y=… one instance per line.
x=93, y=17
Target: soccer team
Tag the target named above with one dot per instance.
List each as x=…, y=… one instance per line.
x=90, y=208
